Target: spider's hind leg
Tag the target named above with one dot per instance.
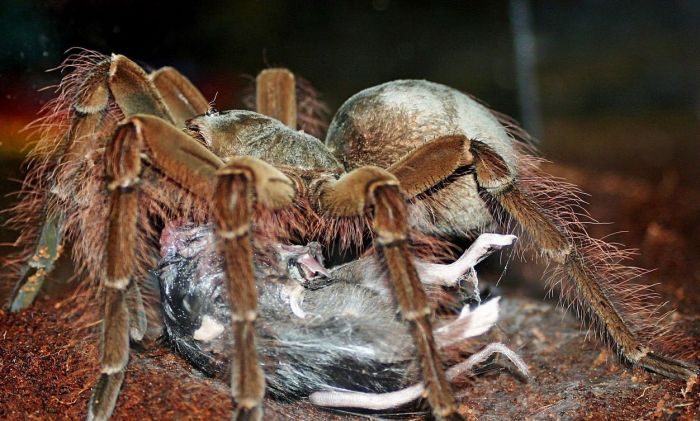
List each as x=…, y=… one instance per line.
x=556, y=235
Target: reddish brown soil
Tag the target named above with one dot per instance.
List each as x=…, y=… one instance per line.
x=47, y=370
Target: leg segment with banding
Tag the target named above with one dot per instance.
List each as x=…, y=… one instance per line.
x=179, y=157
x=243, y=181
x=439, y=159
x=276, y=95
x=133, y=92
x=374, y=187
x=123, y=170
x=182, y=98
x=561, y=247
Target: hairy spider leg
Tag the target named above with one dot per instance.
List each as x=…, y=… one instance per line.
x=123, y=168
x=243, y=182
x=141, y=138
x=275, y=95
x=433, y=162
x=371, y=187
x=46, y=251
x=88, y=117
x=182, y=98
x=560, y=247
x=165, y=93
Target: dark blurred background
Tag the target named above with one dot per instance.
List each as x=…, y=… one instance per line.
x=608, y=86
x=611, y=88
x=618, y=81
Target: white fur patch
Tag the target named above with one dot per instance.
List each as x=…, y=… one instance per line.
x=210, y=329
x=120, y=283
x=469, y=324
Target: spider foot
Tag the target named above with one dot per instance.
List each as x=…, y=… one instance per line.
x=248, y=414
x=455, y=416
x=48, y=250
x=669, y=367
x=104, y=396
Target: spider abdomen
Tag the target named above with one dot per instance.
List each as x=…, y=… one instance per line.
x=380, y=125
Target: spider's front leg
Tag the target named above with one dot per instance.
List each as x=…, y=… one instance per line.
x=180, y=158
x=376, y=188
x=242, y=182
x=123, y=169
x=85, y=96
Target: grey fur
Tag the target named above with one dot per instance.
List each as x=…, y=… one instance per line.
x=350, y=339
x=318, y=329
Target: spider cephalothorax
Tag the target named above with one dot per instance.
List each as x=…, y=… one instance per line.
x=410, y=165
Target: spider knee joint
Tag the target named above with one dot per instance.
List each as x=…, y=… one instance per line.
x=387, y=239
x=637, y=354
x=119, y=283
x=412, y=315
x=247, y=316
x=271, y=187
x=240, y=231
x=566, y=255
x=124, y=184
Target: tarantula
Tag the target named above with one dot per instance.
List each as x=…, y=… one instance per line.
x=406, y=167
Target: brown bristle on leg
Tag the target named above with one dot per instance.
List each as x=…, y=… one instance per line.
x=123, y=168
x=374, y=188
x=392, y=241
x=591, y=267
x=63, y=130
x=312, y=113
x=276, y=95
x=182, y=98
x=240, y=184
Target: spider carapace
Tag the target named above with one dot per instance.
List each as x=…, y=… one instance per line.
x=409, y=164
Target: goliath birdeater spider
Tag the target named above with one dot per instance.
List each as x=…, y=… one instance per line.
x=407, y=167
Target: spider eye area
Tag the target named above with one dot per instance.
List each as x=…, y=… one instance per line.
x=193, y=127
x=212, y=111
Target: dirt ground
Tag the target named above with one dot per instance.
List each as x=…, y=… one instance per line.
x=46, y=370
